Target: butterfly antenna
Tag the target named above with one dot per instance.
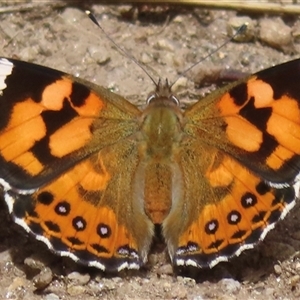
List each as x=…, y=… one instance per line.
x=94, y=20
x=240, y=30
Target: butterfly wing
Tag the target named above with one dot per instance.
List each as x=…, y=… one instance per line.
x=240, y=165
x=67, y=158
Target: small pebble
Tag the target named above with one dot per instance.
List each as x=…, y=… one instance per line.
x=43, y=279
x=297, y=266
x=146, y=58
x=277, y=269
x=99, y=54
x=178, y=19
x=34, y=263
x=235, y=23
x=77, y=278
x=198, y=297
x=227, y=297
x=166, y=286
x=296, y=32
x=230, y=285
x=51, y=297
x=17, y=283
x=108, y=284
x=164, y=44
x=189, y=281
x=180, y=84
x=17, y=289
x=166, y=269
x=275, y=33
x=294, y=280
x=75, y=290
x=178, y=292
x=269, y=292
x=73, y=15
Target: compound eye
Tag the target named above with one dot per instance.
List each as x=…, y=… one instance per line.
x=150, y=98
x=175, y=100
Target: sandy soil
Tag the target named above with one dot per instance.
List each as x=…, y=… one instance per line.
x=167, y=41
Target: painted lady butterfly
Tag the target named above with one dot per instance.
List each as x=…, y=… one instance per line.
x=89, y=174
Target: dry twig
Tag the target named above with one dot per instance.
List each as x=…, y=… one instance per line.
x=262, y=6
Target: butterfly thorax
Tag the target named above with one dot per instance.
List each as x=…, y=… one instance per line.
x=161, y=128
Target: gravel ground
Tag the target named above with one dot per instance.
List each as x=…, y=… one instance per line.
x=167, y=40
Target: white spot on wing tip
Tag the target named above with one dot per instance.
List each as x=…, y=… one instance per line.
x=5, y=69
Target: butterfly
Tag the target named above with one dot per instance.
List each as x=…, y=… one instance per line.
x=91, y=175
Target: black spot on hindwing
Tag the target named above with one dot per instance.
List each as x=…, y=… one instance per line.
x=75, y=241
x=234, y=217
x=212, y=226
x=262, y=188
x=79, y=223
x=52, y=226
x=103, y=230
x=45, y=198
x=248, y=200
x=99, y=248
x=259, y=217
x=63, y=208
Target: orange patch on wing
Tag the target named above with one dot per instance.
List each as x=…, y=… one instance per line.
x=23, y=130
x=227, y=106
x=91, y=107
x=278, y=157
x=220, y=176
x=29, y=163
x=71, y=137
x=93, y=180
x=261, y=91
x=54, y=94
x=287, y=107
x=284, y=124
x=240, y=132
x=243, y=134
x=22, y=112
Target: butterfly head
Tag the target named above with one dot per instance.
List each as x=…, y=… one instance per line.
x=163, y=95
